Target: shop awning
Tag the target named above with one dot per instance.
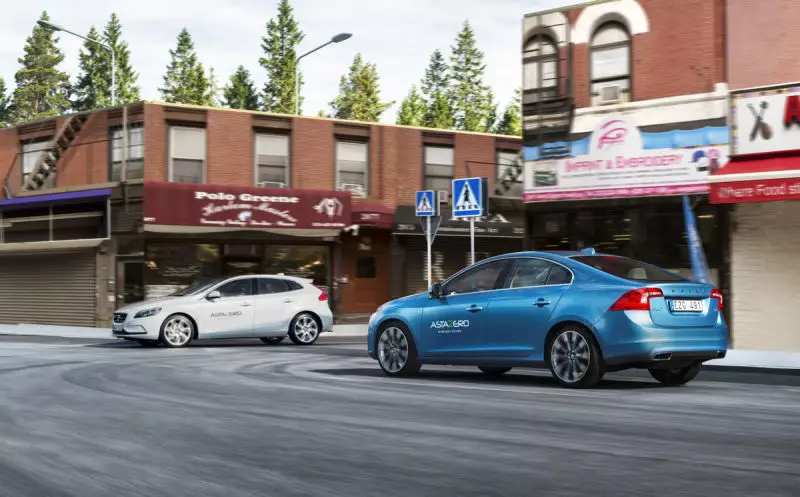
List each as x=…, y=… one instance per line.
x=55, y=198
x=49, y=246
x=497, y=225
x=372, y=214
x=757, y=178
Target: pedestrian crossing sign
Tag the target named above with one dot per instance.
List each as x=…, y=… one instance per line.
x=426, y=204
x=468, y=197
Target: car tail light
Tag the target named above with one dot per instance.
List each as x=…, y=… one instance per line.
x=322, y=296
x=717, y=294
x=636, y=300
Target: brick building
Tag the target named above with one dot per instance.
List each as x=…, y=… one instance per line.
x=131, y=202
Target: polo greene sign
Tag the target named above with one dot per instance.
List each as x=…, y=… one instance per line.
x=216, y=206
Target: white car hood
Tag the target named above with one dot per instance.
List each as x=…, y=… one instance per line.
x=148, y=304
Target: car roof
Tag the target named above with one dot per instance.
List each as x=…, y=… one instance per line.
x=549, y=253
x=277, y=276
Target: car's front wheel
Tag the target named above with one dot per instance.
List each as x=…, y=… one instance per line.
x=676, y=376
x=304, y=329
x=397, y=353
x=272, y=340
x=574, y=358
x=177, y=331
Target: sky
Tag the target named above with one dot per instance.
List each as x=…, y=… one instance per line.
x=397, y=36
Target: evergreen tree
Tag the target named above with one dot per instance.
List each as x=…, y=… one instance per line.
x=511, y=121
x=472, y=102
x=280, y=52
x=127, y=78
x=93, y=86
x=322, y=113
x=491, y=111
x=6, y=109
x=185, y=81
x=42, y=90
x=439, y=109
x=359, y=94
x=413, y=109
x=240, y=92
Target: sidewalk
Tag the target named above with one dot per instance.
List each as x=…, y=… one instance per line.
x=751, y=359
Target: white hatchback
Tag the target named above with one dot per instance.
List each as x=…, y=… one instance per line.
x=268, y=307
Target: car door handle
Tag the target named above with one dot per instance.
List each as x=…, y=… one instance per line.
x=288, y=300
x=246, y=305
x=474, y=308
x=541, y=302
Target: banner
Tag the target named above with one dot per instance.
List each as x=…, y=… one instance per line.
x=696, y=254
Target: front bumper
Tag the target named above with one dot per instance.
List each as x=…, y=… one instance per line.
x=124, y=325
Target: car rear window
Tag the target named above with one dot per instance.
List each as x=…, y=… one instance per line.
x=629, y=269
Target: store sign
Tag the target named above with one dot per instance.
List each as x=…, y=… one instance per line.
x=184, y=204
x=765, y=121
x=498, y=225
x=618, y=165
x=766, y=190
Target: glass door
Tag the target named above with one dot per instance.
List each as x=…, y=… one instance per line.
x=130, y=282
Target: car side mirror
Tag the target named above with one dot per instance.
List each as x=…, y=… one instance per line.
x=213, y=295
x=435, y=290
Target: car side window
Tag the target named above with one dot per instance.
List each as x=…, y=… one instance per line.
x=484, y=277
x=559, y=275
x=293, y=285
x=271, y=285
x=237, y=288
x=530, y=272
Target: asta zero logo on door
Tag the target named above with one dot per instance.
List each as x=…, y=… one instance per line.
x=453, y=326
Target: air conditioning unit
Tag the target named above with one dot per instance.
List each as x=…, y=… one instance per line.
x=443, y=196
x=611, y=94
x=354, y=188
x=271, y=184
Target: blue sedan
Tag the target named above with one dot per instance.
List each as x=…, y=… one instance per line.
x=580, y=314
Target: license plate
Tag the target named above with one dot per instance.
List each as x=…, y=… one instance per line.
x=687, y=305
x=116, y=327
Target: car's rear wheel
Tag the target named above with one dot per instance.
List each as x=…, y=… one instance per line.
x=304, y=329
x=676, y=376
x=492, y=371
x=272, y=340
x=177, y=331
x=397, y=353
x=149, y=343
x=574, y=358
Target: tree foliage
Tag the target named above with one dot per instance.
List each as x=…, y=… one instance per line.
x=280, y=53
x=413, y=109
x=6, y=108
x=511, y=121
x=436, y=92
x=186, y=81
x=359, y=94
x=127, y=79
x=240, y=93
x=473, y=103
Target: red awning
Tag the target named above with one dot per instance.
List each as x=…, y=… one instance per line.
x=757, y=178
x=372, y=214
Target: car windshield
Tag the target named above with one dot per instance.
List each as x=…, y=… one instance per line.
x=628, y=269
x=197, y=287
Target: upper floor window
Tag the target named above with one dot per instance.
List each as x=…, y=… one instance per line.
x=439, y=163
x=134, y=162
x=30, y=155
x=540, y=64
x=272, y=160
x=187, y=158
x=352, y=166
x=611, y=62
x=509, y=169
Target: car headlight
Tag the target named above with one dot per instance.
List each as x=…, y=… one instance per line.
x=146, y=313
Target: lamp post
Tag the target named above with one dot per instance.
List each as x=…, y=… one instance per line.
x=56, y=27
x=335, y=39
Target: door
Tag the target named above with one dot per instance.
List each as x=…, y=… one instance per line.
x=231, y=315
x=366, y=266
x=455, y=324
x=520, y=313
x=276, y=305
x=130, y=282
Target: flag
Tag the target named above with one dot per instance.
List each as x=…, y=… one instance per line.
x=696, y=254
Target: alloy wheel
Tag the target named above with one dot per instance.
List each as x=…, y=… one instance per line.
x=306, y=329
x=393, y=349
x=178, y=331
x=570, y=356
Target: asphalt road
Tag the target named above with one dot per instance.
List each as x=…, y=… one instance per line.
x=241, y=419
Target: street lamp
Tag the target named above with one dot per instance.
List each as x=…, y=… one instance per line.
x=335, y=39
x=56, y=27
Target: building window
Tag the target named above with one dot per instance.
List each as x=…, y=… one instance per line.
x=187, y=155
x=134, y=167
x=509, y=170
x=272, y=160
x=540, y=65
x=352, y=164
x=610, y=56
x=30, y=155
x=439, y=168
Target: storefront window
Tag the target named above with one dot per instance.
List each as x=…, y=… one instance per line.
x=170, y=267
x=302, y=261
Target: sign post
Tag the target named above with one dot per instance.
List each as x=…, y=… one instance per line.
x=470, y=201
x=427, y=207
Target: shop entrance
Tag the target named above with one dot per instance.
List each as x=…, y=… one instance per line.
x=130, y=281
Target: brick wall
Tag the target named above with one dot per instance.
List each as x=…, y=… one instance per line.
x=87, y=158
x=155, y=143
x=762, y=285
x=313, y=151
x=762, y=42
x=9, y=148
x=229, y=148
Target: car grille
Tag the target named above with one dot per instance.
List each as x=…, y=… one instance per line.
x=119, y=317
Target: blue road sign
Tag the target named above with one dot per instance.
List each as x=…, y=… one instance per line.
x=426, y=203
x=468, y=197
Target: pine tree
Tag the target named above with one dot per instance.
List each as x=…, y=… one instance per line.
x=439, y=109
x=94, y=82
x=413, y=109
x=280, y=51
x=511, y=121
x=240, y=92
x=322, y=113
x=42, y=90
x=6, y=109
x=127, y=78
x=471, y=98
x=359, y=94
x=185, y=81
